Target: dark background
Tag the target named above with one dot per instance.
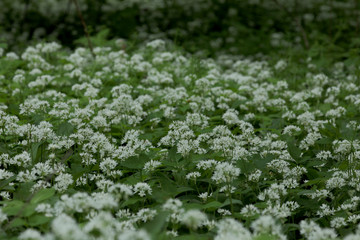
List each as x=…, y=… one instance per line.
x=208, y=27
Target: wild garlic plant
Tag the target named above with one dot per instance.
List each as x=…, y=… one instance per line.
x=155, y=144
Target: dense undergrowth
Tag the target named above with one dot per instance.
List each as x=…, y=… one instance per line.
x=155, y=143
x=204, y=27
x=242, y=122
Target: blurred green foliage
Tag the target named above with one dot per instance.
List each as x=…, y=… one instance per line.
x=320, y=29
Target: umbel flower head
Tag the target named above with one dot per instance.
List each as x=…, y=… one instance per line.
x=225, y=172
x=193, y=218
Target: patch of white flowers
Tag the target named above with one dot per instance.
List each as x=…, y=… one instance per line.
x=128, y=138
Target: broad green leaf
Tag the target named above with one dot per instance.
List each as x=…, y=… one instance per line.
x=37, y=220
x=314, y=182
x=266, y=237
x=211, y=206
x=5, y=182
x=13, y=208
x=135, y=162
x=167, y=184
x=29, y=210
x=42, y=195
x=261, y=163
x=194, y=237
x=35, y=153
x=294, y=151
x=132, y=201
x=18, y=222
x=234, y=202
x=157, y=225
x=23, y=192
x=183, y=189
x=65, y=129
x=188, y=206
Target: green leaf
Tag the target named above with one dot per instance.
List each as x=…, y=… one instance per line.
x=29, y=210
x=324, y=141
x=191, y=205
x=234, y=202
x=312, y=174
x=294, y=151
x=167, y=184
x=261, y=163
x=5, y=182
x=23, y=191
x=65, y=129
x=314, y=182
x=157, y=225
x=135, y=162
x=291, y=227
x=13, y=208
x=265, y=237
x=77, y=170
x=211, y=206
x=35, y=154
x=18, y=222
x=42, y=195
x=131, y=201
x=37, y=220
x=183, y=189
x=194, y=237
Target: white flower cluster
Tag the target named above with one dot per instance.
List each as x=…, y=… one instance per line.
x=128, y=135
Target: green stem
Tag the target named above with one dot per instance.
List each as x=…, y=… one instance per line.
x=197, y=189
x=230, y=198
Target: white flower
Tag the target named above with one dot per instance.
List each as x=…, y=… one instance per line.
x=152, y=165
x=142, y=189
x=204, y=196
x=255, y=176
x=224, y=212
x=173, y=205
x=107, y=165
x=134, y=235
x=231, y=116
x=30, y=234
x=280, y=65
x=312, y=231
x=336, y=113
x=193, y=218
x=338, y=222
x=193, y=175
x=325, y=210
x=3, y=216
x=267, y=225
x=231, y=229
x=23, y=159
x=65, y=227
x=48, y=47
x=44, y=208
x=353, y=218
x=146, y=214
x=12, y=56
x=206, y=164
x=63, y=181
x=324, y=155
x=335, y=182
x=4, y=174
x=249, y=210
x=156, y=44
x=172, y=233
x=225, y=173
x=291, y=129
